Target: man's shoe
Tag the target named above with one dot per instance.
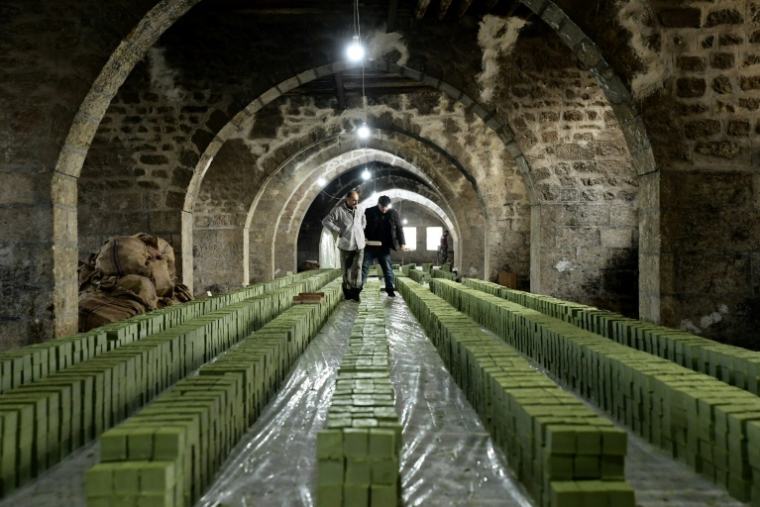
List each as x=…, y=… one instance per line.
x=357, y=298
x=390, y=293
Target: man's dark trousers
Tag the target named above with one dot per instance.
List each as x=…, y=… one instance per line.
x=383, y=256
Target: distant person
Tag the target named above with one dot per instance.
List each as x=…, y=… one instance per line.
x=348, y=223
x=444, y=247
x=383, y=232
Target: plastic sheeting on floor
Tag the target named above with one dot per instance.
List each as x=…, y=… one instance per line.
x=448, y=458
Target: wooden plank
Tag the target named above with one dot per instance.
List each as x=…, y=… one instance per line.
x=340, y=90
x=392, y=13
x=422, y=6
x=444, y=8
x=463, y=6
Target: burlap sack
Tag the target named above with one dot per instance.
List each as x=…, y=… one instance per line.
x=98, y=309
x=141, y=286
x=159, y=248
x=124, y=255
x=161, y=278
x=182, y=293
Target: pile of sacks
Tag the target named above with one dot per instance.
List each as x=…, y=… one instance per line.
x=129, y=276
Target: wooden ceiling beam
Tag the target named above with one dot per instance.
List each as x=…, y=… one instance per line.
x=463, y=6
x=422, y=6
x=340, y=90
x=392, y=14
x=444, y=8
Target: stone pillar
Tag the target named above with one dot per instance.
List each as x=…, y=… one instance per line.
x=650, y=245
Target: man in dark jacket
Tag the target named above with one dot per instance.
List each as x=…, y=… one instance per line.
x=383, y=232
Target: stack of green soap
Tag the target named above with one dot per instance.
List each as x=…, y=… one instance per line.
x=358, y=454
x=555, y=444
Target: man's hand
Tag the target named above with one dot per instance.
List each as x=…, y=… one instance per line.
x=403, y=248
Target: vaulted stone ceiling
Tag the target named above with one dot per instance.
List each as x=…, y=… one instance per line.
x=578, y=140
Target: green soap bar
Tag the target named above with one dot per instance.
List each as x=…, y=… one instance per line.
x=140, y=444
x=355, y=495
x=126, y=478
x=384, y=495
x=165, y=499
x=330, y=471
x=330, y=444
x=589, y=441
x=99, y=501
x=586, y=467
x=113, y=445
x=620, y=494
x=559, y=467
x=99, y=480
x=329, y=495
x=157, y=476
x=382, y=443
x=566, y=494
x=613, y=467
x=385, y=471
x=125, y=501
x=358, y=471
x=355, y=442
x=561, y=439
x=595, y=493
x=614, y=442
x=169, y=443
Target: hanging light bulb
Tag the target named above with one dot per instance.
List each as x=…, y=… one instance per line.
x=405, y=221
x=363, y=131
x=366, y=175
x=355, y=51
x=321, y=182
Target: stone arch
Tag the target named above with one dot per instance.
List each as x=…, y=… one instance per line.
x=300, y=197
x=408, y=195
x=161, y=17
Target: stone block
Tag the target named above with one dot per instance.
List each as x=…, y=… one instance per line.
x=724, y=17
x=617, y=238
x=17, y=188
x=690, y=87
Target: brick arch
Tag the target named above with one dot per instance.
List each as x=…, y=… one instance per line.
x=324, y=160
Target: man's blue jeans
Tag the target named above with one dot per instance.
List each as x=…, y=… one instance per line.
x=383, y=256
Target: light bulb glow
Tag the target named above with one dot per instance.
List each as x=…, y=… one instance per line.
x=355, y=51
x=363, y=131
x=405, y=221
x=321, y=182
x=366, y=175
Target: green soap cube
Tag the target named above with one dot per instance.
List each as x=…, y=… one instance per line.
x=157, y=476
x=126, y=478
x=355, y=442
x=113, y=445
x=125, y=501
x=329, y=495
x=566, y=494
x=589, y=441
x=140, y=444
x=165, y=499
x=330, y=471
x=560, y=440
x=385, y=471
x=613, y=467
x=620, y=494
x=99, y=501
x=330, y=444
x=559, y=467
x=168, y=443
x=586, y=467
x=382, y=443
x=384, y=495
x=614, y=442
x=358, y=471
x=595, y=493
x=355, y=495
x=99, y=480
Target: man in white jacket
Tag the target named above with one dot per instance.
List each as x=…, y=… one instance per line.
x=348, y=223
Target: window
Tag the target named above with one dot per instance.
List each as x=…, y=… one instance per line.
x=410, y=235
x=434, y=238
